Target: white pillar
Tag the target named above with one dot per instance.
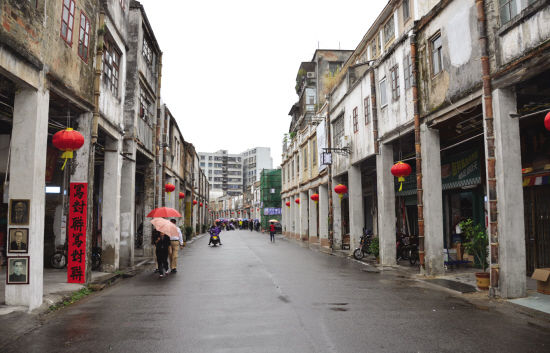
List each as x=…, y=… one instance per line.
x=128, y=205
x=337, y=222
x=312, y=217
x=110, y=226
x=356, y=221
x=304, y=221
x=511, y=231
x=433, y=201
x=386, y=205
x=296, y=216
x=27, y=182
x=323, y=215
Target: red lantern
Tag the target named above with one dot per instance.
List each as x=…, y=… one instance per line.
x=194, y=202
x=340, y=189
x=400, y=170
x=288, y=204
x=297, y=201
x=315, y=198
x=182, y=195
x=169, y=187
x=200, y=204
x=67, y=140
x=547, y=121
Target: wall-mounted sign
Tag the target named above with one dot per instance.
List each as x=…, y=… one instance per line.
x=78, y=206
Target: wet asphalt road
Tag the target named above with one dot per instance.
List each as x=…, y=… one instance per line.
x=253, y=296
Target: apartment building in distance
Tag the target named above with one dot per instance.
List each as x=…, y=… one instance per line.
x=254, y=161
x=224, y=171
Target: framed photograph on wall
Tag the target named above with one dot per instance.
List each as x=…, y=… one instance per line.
x=18, y=240
x=18, y=270
x=20, y=212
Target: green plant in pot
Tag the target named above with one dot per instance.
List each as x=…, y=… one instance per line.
x=188, y=230
x=476, y=244
x=374, y=247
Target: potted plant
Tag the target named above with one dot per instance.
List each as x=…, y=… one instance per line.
x=476, y=244
x=188, y=232
x=374, y=248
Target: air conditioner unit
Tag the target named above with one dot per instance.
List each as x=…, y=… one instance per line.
x=311, y=75
x=344, y=141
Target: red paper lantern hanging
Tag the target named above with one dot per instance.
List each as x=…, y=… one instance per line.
x=182, y=195
x=200, y=204
x=400, y=170
x=288, y=204
x=297, y=201
x=67, y=140
x=340, y=189
x=547, y=121
x=194, y=202
x=315, y=198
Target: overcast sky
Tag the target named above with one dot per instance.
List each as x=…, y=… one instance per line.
x=229, y=67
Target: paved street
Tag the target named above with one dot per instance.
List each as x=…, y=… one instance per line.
x=253, y=296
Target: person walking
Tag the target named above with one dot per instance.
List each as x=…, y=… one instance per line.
x=176, y=244
x=162, y=245
x=251, y=225
x=272, y=232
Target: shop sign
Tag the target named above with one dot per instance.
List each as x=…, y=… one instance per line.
x=78, y=205
x=271, y=211
x=462, y=169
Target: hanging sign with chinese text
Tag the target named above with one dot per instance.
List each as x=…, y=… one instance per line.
x=76, y=256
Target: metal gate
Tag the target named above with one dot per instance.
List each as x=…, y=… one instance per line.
x=537, y=226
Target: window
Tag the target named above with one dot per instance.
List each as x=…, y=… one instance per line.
x=407, y=70
x=147, y=53
x=383, y=93
x=338, y=129
x=202, y=158
x=111, y=60
x=389, y=31
x=314, y=152
x=67, y=21
x=145, y=110
x=375, y=46
x=304, y=156
x=406, y=10
x=366, y=105
x=508, y=10
x=394, y=72
x=355, y=122
x=436, y=54
x=334, y=67
x=84, y=37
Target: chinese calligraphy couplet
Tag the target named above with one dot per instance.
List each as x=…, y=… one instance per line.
x=78, y=204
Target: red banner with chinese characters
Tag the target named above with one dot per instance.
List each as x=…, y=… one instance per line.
x=78, y=205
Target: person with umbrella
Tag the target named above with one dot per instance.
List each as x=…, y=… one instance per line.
x=163, y=247
x=176, y=242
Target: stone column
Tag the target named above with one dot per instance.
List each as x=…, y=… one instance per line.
x=27, y=174
x=296, y=217
x=511, y=231
x=82, y=173
x=110, y=227
x=337, y=223
x=312, y=218
x=128, y=204
x=323, y=215
x=386, y=205
x=433, y=201
x=304, y=216
x=149, y=205
x=356, y=221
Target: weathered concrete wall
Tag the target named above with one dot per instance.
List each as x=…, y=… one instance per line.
x=461, y=72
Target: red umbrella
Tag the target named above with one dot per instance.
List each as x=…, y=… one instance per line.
x=164, y=212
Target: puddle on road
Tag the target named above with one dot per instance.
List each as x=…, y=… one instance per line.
x=284, y=299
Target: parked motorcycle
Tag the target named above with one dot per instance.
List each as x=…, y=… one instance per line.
x=364, y=245
x=59, y=258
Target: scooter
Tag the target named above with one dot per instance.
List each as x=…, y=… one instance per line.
x=214, y=237
x=364, y=245
x=59, y=258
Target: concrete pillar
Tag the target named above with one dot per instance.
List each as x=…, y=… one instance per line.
x=128, y=205
x=82, y=173
x=337, y=213
x=149, y=205
x=356, y=221
x=312, y=218
x=511, y=231
x=386, y=205
x=296, y=217
x=27, y=174
x=110, y=227
x=433, y=201
x=323, y=215
x=304, y=216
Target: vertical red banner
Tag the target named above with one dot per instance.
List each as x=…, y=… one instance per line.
x=78, y=205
